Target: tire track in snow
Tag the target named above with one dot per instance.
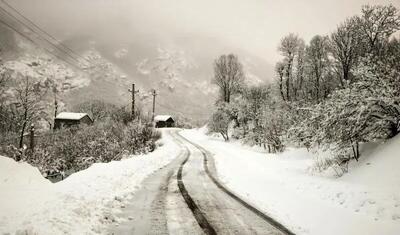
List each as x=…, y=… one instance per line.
x=199, y=216
x=206, y=155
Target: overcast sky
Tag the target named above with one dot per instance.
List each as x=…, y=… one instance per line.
x=252, y=25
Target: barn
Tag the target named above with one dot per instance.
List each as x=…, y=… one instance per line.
x=67, y=119
x=164, y=121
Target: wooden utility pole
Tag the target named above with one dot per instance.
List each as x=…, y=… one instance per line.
x=154, y=104
x=55, y=107
x=133, y=91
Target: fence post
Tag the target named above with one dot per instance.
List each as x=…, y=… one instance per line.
x=32, y=137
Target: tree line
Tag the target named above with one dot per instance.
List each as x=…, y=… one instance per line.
x=332, y=93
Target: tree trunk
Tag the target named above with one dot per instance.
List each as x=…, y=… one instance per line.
x=288, y=73
x=345, y=74
x=357, y=151
x=281, y=87
x=317, y=83
x=225, y=136
x=288, y=84
x=21, y=137
x=354, y=151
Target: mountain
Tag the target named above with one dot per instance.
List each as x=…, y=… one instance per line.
x=181, y=74
x=180, y=69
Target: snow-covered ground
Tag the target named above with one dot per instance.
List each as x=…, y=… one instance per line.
x=81, y=204
x=364, y=201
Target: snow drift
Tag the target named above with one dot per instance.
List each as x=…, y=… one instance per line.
x=83, y=203
x=364, y=201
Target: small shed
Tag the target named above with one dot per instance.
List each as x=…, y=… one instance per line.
x=164, y=121
x=67, y=119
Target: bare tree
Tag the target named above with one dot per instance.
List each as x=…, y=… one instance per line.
x=4, y=107
x=345, y=47
x=288, y=48
x=299, y=77
x=228, y=75
x=377, y=24
x=3, y=75
x=28, y=103
x=97, y=109
x=280, y=68
x=317, y=55
x=392, y=60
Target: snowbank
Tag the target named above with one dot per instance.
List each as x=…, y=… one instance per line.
x=81, y=204
x=365, y=201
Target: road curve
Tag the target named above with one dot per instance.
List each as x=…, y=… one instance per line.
x=225, y=212
x=185, y=197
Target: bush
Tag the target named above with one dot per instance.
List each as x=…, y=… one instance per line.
x=219, y=122
x=140, y=138
x=75, y=149
x=338, y=163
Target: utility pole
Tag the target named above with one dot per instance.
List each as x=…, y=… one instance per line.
x=133, y=91
x=154, y=104
x=55, y=107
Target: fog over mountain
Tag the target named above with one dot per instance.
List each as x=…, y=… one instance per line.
x=172, y=44
x=251, y=25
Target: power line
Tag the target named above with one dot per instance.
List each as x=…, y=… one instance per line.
x=34, y=31
x=178, y=111
x=175, y=110
x=42, y=30
x=154, y=104
x=32, y=41
x=38, y=34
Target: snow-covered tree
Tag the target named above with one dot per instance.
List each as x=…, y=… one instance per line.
x=345, y=47
x=319, y=67
x=299, y=78
x=365, y=111
x=27, y=102
x=228, y=76
x=280, y=72
x=220, y=121
x=273, y=126
x=332, y=94
x=376, y=24
x=97, y=109
x=288, y=47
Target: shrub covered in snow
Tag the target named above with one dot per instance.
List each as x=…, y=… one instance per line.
x=76, y=149
x=219, y=121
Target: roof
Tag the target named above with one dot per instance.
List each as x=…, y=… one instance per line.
x=162, y=118
x=71, y=116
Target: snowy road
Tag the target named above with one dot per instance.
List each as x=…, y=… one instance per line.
x=182, y=198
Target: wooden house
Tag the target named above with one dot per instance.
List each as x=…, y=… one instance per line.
x=164, y=121
x=67, y=119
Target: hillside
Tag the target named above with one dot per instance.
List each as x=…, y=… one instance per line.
x=180, y=74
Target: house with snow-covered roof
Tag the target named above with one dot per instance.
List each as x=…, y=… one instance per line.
x=164, y=121
x=68, y=119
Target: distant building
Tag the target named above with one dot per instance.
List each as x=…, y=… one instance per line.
x=164, y=121
x=66, y=119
